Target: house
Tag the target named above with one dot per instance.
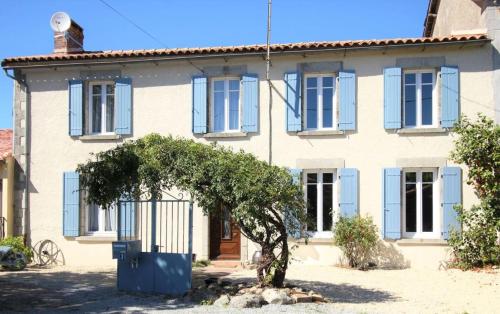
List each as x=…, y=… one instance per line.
x=366, y=124
x=7, y=164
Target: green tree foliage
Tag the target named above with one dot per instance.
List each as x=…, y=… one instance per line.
x=478, y=147
x=357, y=238
x=18, y=246
x=258, y=195
x=477, y=244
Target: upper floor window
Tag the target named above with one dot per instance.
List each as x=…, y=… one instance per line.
x=320, y=199
x=420, y=209
x=419, y=109
x=320, y=108
x=101, y=107
x=225, y=105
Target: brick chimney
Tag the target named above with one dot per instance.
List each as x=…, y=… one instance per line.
x=70, y=41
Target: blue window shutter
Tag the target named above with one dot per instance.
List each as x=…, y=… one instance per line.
x=127, y=218
x=71, y=204
x=452, y=195
x=75, y=107
x=123, y=111
x=348, y=192
x=290, y=220
x=391, y=195
x=250, y=83
x=347, y=101
x=293, y=102
x=449, y=96
x=200, y=104
x=392, y=98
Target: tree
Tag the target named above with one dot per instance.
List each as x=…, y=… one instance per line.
x=262, y=198
x=478, y=147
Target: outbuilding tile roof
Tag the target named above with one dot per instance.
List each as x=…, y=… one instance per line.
x=244, y=49
x=5, y=143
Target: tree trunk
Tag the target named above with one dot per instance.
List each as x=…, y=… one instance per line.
x=272, y=270
x=280, y=270
x=265, y=264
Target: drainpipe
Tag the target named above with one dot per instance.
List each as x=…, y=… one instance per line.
x=27, y=146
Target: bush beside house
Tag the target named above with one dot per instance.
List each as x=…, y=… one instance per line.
x=478, y=147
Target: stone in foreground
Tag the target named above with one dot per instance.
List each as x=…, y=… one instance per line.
x=276, y=296
x=301, y=298
x=245, y=301
x=222, y=301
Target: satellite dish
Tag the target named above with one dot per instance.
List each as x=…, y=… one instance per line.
x=60, y=22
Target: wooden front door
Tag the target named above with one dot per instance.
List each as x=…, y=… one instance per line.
x=225, y=239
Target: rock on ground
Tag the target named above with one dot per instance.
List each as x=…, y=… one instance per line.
x=276, y=296
x=223, y=300
x=246, y=301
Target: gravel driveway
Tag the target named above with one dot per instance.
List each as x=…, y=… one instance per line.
x=70, y=289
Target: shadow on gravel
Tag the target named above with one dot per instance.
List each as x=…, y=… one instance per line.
x=34, y=290
x=339, y=293
x=346, y=293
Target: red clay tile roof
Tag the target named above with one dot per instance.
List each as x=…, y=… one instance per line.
x=246, y=49
x=5, y=143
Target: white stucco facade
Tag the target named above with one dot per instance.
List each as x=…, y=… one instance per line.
x=162, y=100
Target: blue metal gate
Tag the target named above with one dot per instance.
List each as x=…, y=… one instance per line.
x=155, y=246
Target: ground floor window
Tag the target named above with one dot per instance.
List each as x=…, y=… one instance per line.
x=420, y=209
x=101, y=221
x=320, y=199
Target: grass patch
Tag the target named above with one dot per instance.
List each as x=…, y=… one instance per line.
x=201, y=263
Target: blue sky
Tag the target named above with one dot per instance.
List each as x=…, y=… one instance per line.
x=25, y=30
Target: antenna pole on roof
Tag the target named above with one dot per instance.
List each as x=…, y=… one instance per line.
x=268, y=46
x=268, y=64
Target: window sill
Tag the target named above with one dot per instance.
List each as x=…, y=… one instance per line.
x=96, y=239
x=98, y=137
x=225, y=135
x=320, y=133
x=422, y=131
x=427, y=242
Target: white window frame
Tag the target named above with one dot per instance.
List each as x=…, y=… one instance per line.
x=437, y=210
x=319, y=100
x=226, y=104
x=320, y=233
x=104, y=100
x=418, y=85
x=101, y=223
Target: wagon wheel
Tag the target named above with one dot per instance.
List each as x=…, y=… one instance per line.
x=48, y=253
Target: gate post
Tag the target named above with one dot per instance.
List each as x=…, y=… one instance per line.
x=119, y=222
x=154, y=248
x=190, y=240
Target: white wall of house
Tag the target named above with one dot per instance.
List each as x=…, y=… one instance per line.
x=162, y=104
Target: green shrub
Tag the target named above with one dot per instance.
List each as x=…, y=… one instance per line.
x=17, y=244
x=476, y=245
x=201, y=263
x=477, y=147
x=357, y=238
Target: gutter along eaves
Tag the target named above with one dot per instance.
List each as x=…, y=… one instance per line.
x=140, y=59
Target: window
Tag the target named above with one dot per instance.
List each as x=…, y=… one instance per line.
x=101, y=107
x=226, y=224
x=419, y=109
x=225, y=105
x=420, y=209
x=320, y=109
x=101, y=221
x=320, y=199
